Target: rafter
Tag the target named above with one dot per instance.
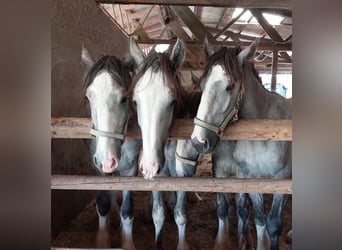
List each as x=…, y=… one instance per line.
x=269, y=30
x=192, y=22
x=229, y=24
x=213, y=3
x=262, y=45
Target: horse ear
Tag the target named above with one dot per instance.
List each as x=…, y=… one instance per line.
x=248, y=53
x=178, y=53
x=208, y=48
x=86, y=58
x=135, y=51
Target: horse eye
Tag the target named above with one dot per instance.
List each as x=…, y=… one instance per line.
x=123, y=99
x=172, y=103
x=230, y=87
x=134, y=103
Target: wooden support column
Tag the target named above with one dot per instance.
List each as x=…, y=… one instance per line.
x=274, y=70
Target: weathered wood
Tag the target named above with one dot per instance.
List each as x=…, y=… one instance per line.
x=254, y=129
x=213, y=3
x=192, y=22
x=274, y=71
x=67, y=248
x=262, y=45
x=269, y=30
x=189, y=184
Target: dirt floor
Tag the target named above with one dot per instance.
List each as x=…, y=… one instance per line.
x=201, y=227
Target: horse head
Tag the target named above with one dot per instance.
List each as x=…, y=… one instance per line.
x=106, y=89
x=222, y=88
x=156, y=95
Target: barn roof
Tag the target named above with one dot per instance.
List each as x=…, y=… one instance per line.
x=225, y=23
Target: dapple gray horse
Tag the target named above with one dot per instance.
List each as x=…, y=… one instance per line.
x=159, y=98
x=231, y=88
x=106, y=88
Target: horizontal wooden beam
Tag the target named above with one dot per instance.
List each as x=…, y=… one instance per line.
x=189, y=184
x=262, y=45
x=254, y=129
x=213, y=3
x=67, y=248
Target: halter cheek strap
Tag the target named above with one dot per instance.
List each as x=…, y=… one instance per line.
x=230, y=118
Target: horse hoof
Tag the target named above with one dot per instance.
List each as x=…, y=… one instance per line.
x=182, y=247
x=102, y=239
x=288, y=239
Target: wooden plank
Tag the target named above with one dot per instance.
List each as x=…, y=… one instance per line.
x=188, y=184
x=269, y=30
x=229, y=24
x=192, y=22
x=254, y=129
x=67, y=248
x=274, y=71
x=262, y=45
x=212, y=3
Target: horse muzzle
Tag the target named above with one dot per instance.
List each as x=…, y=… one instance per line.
x=205, y=145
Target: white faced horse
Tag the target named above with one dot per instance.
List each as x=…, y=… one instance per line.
x=107, y=84
x=231, y=87
x=159, y=97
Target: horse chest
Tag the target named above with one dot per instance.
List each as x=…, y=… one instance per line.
x=261, y=158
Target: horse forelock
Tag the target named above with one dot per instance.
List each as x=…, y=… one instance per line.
x=114, y=67
x=161, y=62
x=227, y=57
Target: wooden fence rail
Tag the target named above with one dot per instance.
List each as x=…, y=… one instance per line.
x=254, y=129
x=189, y=184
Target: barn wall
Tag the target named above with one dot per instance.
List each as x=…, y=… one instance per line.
x=75, y=23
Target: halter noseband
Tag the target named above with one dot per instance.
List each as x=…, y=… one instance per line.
x=111, y=135
x=230, y=118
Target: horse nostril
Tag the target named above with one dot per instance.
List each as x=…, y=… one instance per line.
x=95, y=160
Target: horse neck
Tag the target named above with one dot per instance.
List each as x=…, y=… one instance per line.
x=257, y=102
x=255, y=97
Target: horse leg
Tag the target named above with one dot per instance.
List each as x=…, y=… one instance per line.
x=184, y=166
x=126, y=215
x=181, y=220
x=260, y=220
x=158, y=215
x=275, y=220
x=245, y=240
x=103, y=206
x=222, y=237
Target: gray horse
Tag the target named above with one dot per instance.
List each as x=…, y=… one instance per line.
x=231, y=88
x=159, y=98
x=106, y=88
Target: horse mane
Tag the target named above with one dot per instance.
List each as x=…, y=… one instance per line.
x=227, y=57
x=190, y=103
x=160, y=61
x=111, y=64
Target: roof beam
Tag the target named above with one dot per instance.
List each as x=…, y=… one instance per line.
x=192, y=22
x=269, y=30
x=212, y=3
x=262, y=45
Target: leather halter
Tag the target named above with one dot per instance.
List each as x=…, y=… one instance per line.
x=231, y=117
x=187, y=161
x=111, y=135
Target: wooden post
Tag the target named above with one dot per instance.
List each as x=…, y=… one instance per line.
x=274, y=70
